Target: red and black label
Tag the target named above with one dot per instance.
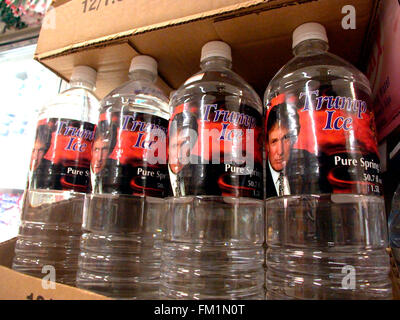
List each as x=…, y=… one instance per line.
x=215, y=148
x=61, y=155
x=130, y=155
x=322, y=140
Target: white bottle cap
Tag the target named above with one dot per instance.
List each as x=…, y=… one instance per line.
x=216, y=49
x=144, y=63
x=308, y=31
x=85, y=74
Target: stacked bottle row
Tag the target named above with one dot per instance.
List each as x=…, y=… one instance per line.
x=175, y=190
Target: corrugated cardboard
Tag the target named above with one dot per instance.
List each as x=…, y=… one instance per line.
x=17, y=286
x=173, y=32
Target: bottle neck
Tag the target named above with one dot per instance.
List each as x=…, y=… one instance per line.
x=215, y=63
x=142, y=75
x=82, y=84
x=310, y=48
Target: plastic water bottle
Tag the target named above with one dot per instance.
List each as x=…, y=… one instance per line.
x=213, y=237
x=120, y=247
x=394, y=225
x=326, y=228
x=59, y=177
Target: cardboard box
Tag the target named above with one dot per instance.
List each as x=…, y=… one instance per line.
x=173, y=32
x=384, y=69
x=17, y=286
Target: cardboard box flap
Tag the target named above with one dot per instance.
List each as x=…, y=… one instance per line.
x=134, y=17
x=259, y=33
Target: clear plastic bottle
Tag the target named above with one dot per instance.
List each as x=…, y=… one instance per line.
x=51, y=221
x=120, y=247
x=394, y=225
x=213, y=237
x=326, y=228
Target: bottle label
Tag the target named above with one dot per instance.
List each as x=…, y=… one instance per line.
x=215, y=149
x=61, y=155
x=322, y=140
x=130, y=155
